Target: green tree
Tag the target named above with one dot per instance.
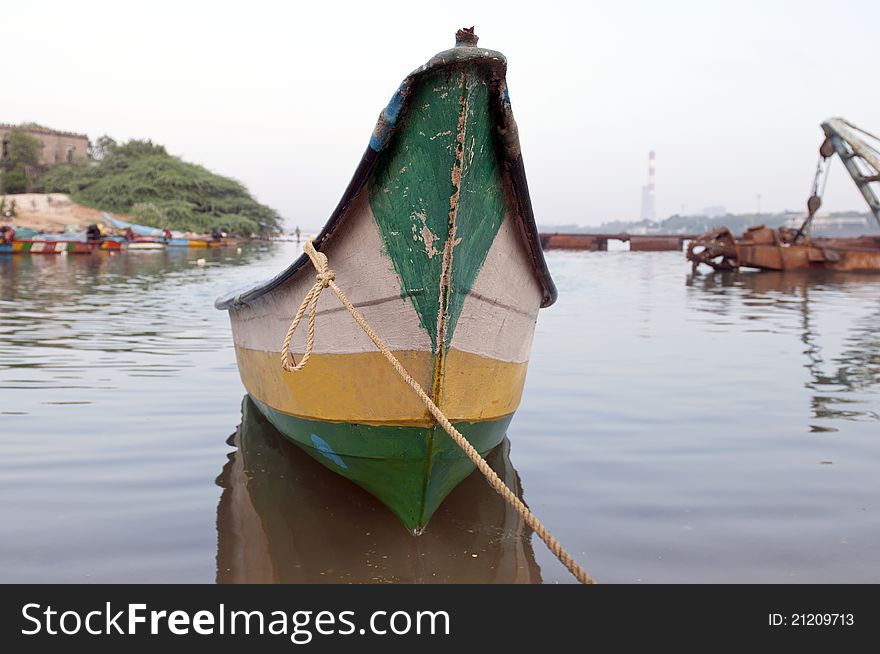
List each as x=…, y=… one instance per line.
x=137, y=148
x=140, y=178
x=14, y=180
x=22, y=148
x=101, y=148
x=22, y=151
x=147, y=213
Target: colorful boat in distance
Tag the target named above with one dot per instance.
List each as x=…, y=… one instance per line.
x=435, y=243
x=144, y=246
x=144, y=234
x=284, y=518
x=200, y=242
x=59, y=246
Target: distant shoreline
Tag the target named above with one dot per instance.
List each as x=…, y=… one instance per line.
x=698, y=224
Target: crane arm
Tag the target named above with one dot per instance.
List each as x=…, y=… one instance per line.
x=861, y=159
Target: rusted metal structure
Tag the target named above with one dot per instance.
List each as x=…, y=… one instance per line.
x=794, y=249
x=599, y=242
x=657, y=242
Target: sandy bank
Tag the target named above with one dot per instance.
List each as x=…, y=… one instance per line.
x=50, y=212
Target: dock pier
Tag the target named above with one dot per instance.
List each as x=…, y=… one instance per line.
x=599, y=242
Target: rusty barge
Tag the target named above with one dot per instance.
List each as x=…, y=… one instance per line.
x=795, y=249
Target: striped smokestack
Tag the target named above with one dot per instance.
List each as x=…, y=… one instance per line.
x=648, y=212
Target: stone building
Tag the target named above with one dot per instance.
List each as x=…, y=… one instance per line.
x=56, y=147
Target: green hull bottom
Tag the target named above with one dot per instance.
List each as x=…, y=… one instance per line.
x=409, y=469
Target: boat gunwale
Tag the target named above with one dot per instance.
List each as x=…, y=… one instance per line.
x=385, y=129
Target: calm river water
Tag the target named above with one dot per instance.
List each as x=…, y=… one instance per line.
x=719, y=429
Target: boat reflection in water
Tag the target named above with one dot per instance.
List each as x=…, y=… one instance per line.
x=285, y=518
x=844, y=366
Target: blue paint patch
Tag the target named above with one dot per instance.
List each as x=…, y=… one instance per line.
x=392, y=111
x=326, y=451
x=388, y=119
x=6, y=248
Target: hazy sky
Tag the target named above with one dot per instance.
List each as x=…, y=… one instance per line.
x=284, y=95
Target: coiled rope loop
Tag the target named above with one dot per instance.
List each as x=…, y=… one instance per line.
x=325, y=278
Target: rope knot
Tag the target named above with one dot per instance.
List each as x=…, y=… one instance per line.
x=325, y=277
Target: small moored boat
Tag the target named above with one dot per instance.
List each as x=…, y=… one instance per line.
x=59, y=245
x=144, y=246
x=164, y=237
x=434, y=242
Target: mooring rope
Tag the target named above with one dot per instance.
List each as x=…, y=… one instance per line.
x=326, y=278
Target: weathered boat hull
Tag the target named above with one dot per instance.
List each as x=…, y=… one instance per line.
x=411, y=469
x=434, y=242
x=350, y=410
x=58, y=247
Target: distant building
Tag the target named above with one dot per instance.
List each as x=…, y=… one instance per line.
x=56, y=147
x=837, y=225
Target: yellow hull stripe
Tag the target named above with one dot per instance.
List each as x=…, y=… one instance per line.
x=363, y=388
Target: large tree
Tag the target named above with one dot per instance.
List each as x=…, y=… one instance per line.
x=140, y=178
x=22, y=153
x=101, y=148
